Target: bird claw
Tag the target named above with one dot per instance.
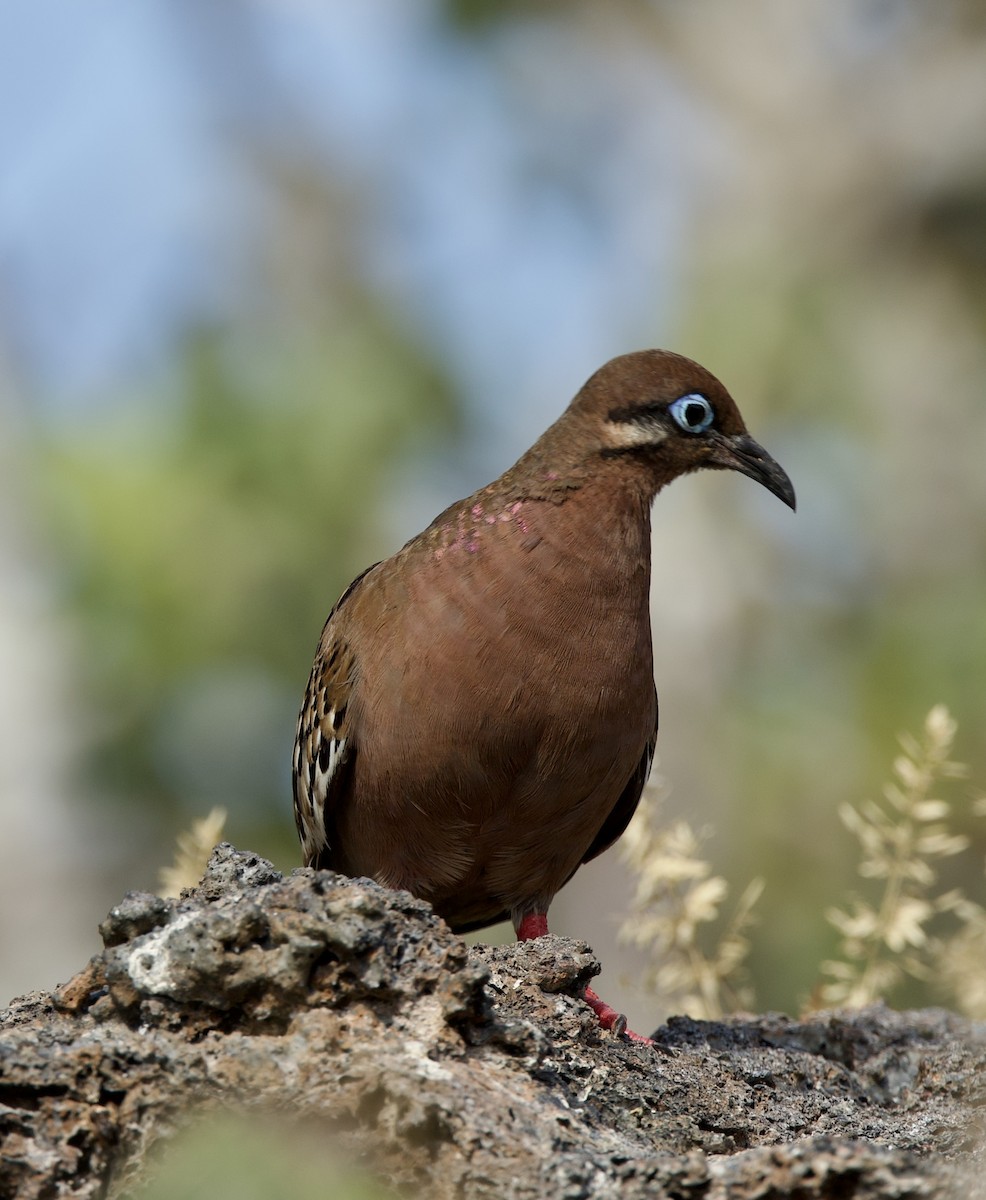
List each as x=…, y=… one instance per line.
x=610, y=1019
x=638, y=1037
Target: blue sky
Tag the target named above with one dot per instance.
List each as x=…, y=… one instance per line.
x=523, y=196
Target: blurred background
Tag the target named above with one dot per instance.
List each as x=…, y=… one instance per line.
x=280, y=280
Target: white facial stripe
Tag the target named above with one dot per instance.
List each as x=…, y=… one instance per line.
x=624, y=435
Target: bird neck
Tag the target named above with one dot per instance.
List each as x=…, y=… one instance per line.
x=597, y=516
x=567, y=459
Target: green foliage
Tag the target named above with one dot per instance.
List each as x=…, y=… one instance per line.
x=204, y=540
x=242, y=1158
x=479, y=17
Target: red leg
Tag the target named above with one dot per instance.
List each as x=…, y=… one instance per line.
x=609, y=1018
x=535, y=925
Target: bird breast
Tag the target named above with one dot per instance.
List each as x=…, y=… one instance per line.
x=515, y=664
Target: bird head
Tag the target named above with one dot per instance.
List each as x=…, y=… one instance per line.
x=669, y=416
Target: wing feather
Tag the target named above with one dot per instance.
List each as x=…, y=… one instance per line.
x=324, y=743
x=624, y=808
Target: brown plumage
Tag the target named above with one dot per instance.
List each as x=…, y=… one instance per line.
x=481, y=716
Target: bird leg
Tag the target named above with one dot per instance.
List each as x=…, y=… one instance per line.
x=535, y=925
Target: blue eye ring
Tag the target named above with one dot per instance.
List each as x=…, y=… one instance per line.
x=692, y=413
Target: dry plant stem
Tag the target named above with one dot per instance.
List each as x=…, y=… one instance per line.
x=676, y=895
x=867, y=990
x=899, y=841
x=194, y=847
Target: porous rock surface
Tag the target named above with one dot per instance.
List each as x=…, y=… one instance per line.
x=460, y=1072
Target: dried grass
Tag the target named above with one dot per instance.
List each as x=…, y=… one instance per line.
x=192, y=854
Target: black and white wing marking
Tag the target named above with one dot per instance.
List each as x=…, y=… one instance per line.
x=324, y=744
x=322, y=747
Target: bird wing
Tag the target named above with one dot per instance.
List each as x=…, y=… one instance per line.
x=324, y=745
x=624, y=808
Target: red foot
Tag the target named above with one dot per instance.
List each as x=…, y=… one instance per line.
x=609, y=1018
x=535, y=925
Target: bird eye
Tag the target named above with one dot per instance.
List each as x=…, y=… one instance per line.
x=692, y=412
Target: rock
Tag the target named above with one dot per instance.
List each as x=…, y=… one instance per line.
x=464, y=1072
